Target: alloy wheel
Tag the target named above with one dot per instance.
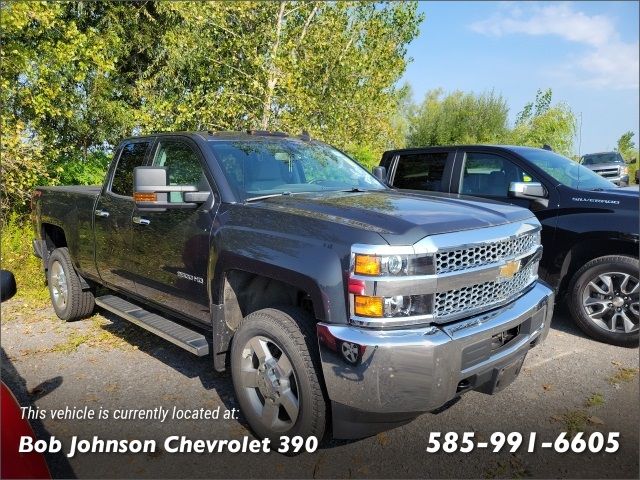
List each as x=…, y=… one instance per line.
x=611, y=301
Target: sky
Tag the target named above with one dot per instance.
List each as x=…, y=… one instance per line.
x=586, y=52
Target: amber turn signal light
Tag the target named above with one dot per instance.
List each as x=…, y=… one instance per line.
x=145, y=197
x=364, y=306
x=367, y=265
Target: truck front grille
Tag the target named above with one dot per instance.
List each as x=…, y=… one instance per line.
x=483, y=296
x=462, y=259
x=609, y=173
x=467, y=273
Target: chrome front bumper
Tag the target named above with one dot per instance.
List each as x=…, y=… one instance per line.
x=420, y=369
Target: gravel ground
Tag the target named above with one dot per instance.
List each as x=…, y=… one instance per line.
x=569, y=383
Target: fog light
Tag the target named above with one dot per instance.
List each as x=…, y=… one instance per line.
x=396, y=306
x=367, y=306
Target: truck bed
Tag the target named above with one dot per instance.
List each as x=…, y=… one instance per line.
x=69, y=208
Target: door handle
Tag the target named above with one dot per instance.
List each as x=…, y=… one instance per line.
x=102, y=213
x=141, y=221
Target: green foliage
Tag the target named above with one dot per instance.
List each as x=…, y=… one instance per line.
x=458, y=118
x=625, y=144
x=82, y=171
x=273, y=65
x=78, y=76
x=539, y=123
x=22, y=166
x=365, y=156
x=627, y=148
x=17, y=256
x=60, y=100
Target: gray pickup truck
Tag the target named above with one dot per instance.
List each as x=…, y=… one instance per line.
x=609, y=165
x=333, y=300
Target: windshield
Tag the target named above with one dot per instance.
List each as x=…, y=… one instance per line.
x=255, y=168
x=564, y=170
x=596, y=158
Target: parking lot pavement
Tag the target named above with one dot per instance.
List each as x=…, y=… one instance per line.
x=569, y=383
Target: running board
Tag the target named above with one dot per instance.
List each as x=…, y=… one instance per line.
x=178, y=334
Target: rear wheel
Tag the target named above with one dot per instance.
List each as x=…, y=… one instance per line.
x=69, y=300
x=604, y=297
x=276, y=374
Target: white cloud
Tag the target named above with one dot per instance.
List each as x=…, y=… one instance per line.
x=607, y=60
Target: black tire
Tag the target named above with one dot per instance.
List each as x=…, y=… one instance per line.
x=291, y=331
x=69, y=300
x=618, y=266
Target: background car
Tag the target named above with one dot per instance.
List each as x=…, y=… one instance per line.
x=589, y=225
x=609, y=165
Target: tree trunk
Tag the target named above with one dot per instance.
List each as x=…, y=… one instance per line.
x=272, y=73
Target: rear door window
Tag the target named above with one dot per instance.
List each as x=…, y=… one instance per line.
x=421, y=171
x=131, y=156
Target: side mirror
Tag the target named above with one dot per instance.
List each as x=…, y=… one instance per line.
x=7, y=285
x=380, y=173
x=151, y=192
x=528, y=190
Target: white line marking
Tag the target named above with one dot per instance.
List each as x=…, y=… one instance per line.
x=555, y=357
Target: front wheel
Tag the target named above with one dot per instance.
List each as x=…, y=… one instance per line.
x=276, y=375
x=604, y=299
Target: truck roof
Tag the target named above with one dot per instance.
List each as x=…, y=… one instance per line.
x=227, y=135
x=513, y=148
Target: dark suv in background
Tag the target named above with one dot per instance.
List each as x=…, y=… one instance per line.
x=609, y=165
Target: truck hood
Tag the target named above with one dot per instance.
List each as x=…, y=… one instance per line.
x=400, y=218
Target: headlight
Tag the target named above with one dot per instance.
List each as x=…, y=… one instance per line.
x=624, y=170
x=392, y=265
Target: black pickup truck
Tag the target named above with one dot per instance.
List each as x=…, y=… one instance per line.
x=327, y=294
x=589, y=226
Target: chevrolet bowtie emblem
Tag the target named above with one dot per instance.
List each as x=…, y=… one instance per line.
x=509, y=269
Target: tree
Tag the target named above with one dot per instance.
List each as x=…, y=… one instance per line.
x=470, y=118
x=78, y=76
x=625, y=142
x=458, y=118
x=328, y=68
x=540, y=123
x=626, y=146
x=61, y=101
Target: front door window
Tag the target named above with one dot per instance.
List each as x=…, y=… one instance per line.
x=490, y=175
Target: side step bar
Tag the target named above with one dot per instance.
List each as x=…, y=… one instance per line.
x=180, y=335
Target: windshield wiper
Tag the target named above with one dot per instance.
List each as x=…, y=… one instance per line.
x=263, y=197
